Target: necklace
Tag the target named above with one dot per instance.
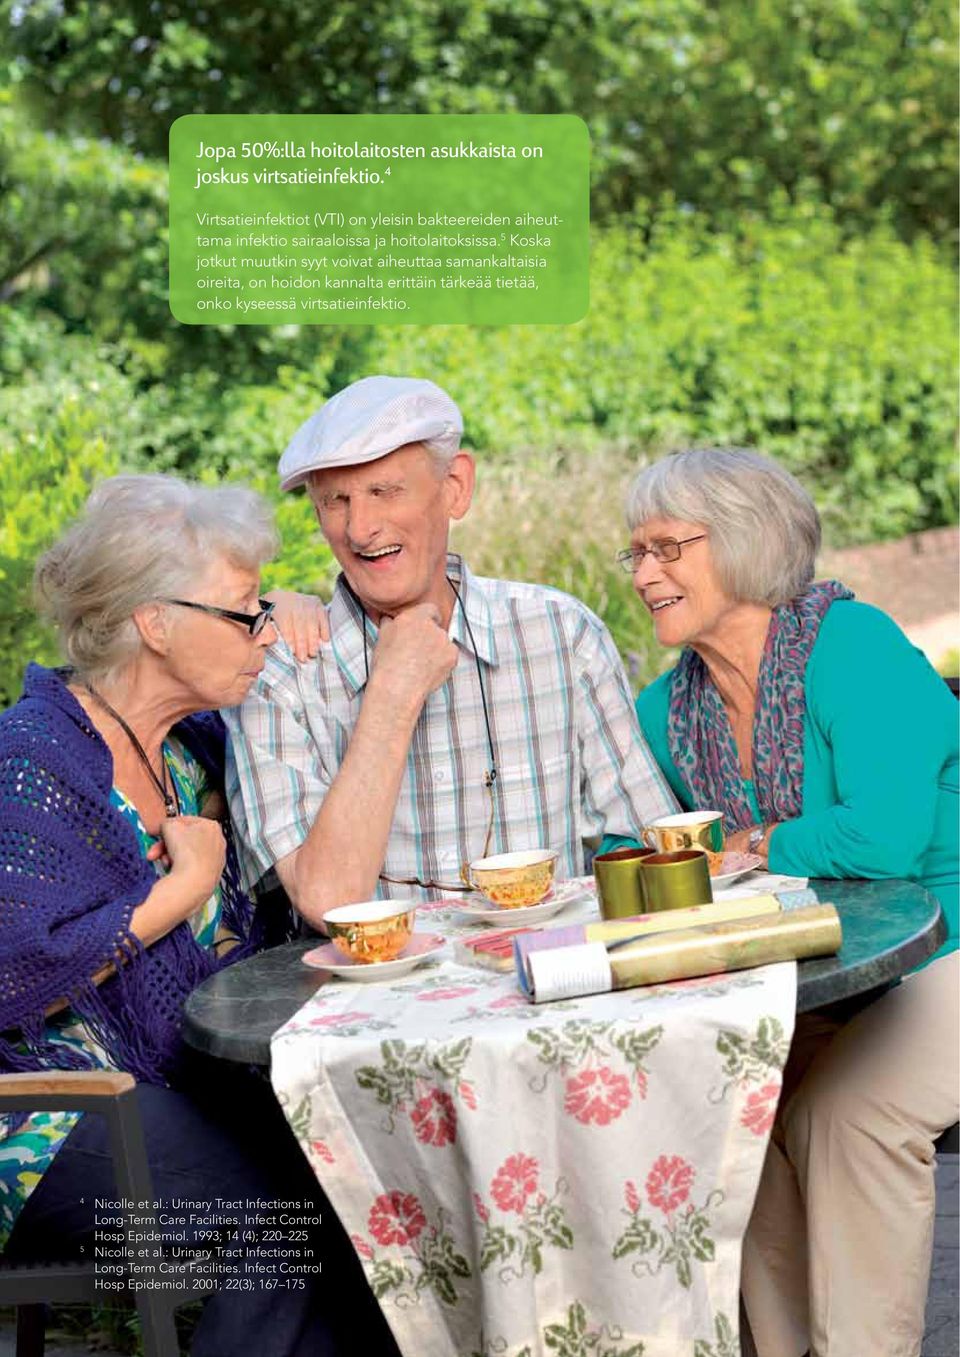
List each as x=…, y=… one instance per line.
x=168, y=791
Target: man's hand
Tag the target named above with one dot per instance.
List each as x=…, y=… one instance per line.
x=414, y=655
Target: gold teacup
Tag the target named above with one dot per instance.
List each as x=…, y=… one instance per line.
x=693, y=829
x=511, y=880
x=376, y=930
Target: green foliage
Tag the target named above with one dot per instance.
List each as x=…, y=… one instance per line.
x=838, y=359
x=57, y=436
x=720, y=106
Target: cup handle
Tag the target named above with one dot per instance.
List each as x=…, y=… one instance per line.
x=649, y=838
x=466, y=876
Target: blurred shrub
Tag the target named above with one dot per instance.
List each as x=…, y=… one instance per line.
x=839, y=359
x=559, y=520
x=721, y=105
x=55, y=441
x=836, y=357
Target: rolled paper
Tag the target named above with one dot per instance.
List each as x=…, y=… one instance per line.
x=675, y=954
x=713, y=949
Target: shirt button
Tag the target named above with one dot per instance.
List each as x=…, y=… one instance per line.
x=439, y=777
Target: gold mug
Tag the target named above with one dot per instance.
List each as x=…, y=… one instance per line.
x=676, y=880
x=693, y=829
x=619, y=883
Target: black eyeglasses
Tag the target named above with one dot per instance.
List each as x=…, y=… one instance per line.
x=667, y=549
x=254, y=622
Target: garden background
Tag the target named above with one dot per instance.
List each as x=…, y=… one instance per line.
x=774, y=203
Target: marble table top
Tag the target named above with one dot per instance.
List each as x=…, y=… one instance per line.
x=888, y=928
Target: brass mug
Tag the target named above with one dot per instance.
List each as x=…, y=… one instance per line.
x=693, y=829
x=676, y=880
x=619, y=883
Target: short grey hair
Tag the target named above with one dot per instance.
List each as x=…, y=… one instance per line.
x=764, y=528
x=140, y=539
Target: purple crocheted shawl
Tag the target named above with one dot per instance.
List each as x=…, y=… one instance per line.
x=71, y=875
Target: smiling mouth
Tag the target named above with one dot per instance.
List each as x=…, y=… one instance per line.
x=661, y=603
x=379, y=555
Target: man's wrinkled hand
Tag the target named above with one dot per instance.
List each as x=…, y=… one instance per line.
x=414, y=654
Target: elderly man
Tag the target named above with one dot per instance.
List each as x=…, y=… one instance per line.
x=450, y=716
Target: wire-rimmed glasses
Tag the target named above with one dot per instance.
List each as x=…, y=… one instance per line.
x=665, y=549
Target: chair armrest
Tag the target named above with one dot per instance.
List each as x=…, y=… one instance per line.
x=110, y=1093
x=106, y=1083
x=69, y=1090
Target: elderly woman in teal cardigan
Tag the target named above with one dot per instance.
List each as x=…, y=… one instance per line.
x=830, y=744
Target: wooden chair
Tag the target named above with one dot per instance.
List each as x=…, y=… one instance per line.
x=31, y=1286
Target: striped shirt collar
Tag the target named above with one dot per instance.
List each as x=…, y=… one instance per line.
x=347, y=621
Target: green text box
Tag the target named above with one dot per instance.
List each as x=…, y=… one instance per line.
x=379, y=219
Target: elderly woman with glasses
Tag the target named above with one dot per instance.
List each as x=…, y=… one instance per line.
x=830, y=745
x=121, y=893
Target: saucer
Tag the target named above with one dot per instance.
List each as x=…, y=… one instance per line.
x=421, y=947
x=554, y=901
x=734, y=866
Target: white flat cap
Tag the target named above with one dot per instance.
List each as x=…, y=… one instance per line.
x=368, y=419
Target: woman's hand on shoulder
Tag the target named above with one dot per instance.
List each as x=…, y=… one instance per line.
x=301, y=620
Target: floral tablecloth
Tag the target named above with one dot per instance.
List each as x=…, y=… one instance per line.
x=563, y=1179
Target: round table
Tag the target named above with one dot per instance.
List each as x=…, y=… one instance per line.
x=888, y=928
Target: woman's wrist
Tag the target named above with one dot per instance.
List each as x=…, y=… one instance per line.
x=761, y=844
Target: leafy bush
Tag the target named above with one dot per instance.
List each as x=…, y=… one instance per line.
x=721, y=106
x=53, y=445
x=559, y=520
x=839, y=359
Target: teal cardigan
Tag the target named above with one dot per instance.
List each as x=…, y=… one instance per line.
x=880, y=761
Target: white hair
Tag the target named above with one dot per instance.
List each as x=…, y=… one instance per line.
x=141, y=539
x=764, y=528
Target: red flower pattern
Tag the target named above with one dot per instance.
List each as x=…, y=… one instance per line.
x=322, y=1150
x=669, y=1182
x=452, y=993
x=480, y=1208
x=598, y=1095
x=396, y=1218
x=632, y=1195
x=515, y=1181
x=510, y=1001
x=340, y=1019
x=435, y=1118
x=362, y=1247
x=468, y=1094
x=761, y=1109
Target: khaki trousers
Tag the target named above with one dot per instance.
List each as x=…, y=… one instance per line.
x=837, y=1254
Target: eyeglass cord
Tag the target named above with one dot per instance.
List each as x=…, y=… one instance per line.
x=490, y=776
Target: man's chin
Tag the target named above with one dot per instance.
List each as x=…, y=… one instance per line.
x=376, y=603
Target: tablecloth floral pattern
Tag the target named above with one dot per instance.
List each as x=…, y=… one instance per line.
x=542, y=1181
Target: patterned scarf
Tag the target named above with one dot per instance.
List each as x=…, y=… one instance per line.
x=698, y=729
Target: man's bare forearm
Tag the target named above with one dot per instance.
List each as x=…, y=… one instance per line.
x=341, y=857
